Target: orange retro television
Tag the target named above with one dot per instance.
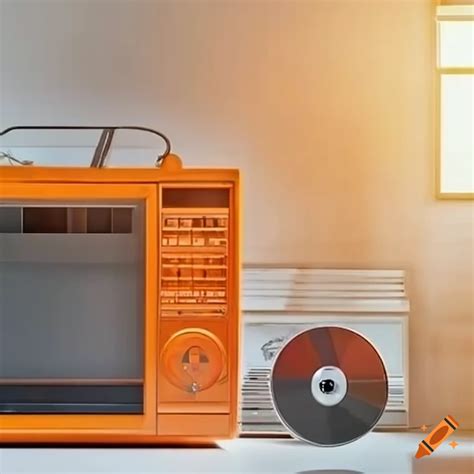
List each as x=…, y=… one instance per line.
x=119, y=302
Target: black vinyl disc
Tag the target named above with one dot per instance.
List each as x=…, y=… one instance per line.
x=329, y=386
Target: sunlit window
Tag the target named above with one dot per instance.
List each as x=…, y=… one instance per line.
x=455, y=79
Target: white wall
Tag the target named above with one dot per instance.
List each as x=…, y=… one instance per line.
x=326, y=106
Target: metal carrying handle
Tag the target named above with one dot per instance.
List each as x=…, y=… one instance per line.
x=105, y=140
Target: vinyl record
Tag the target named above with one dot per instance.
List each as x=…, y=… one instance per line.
x=329, y=386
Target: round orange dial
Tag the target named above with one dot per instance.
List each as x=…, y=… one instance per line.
x=193, y=360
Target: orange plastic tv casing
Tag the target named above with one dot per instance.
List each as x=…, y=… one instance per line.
x=170, y=415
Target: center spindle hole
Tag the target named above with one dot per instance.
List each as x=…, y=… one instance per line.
x=327, y=386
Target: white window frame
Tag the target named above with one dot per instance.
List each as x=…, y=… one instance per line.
x=445, y=13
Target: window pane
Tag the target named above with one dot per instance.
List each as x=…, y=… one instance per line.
x=457, y=105
x=456, y=43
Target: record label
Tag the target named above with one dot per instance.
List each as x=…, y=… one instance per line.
x=329, y=386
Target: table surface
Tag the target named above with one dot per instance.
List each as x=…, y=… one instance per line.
x=374, y=453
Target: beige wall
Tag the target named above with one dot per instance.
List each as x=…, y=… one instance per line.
x=326, y=106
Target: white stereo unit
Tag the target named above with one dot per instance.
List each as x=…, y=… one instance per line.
x=281, y=302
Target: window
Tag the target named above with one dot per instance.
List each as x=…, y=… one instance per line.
x=455, y=102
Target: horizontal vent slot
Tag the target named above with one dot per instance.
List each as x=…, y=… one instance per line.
x=204, y=197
